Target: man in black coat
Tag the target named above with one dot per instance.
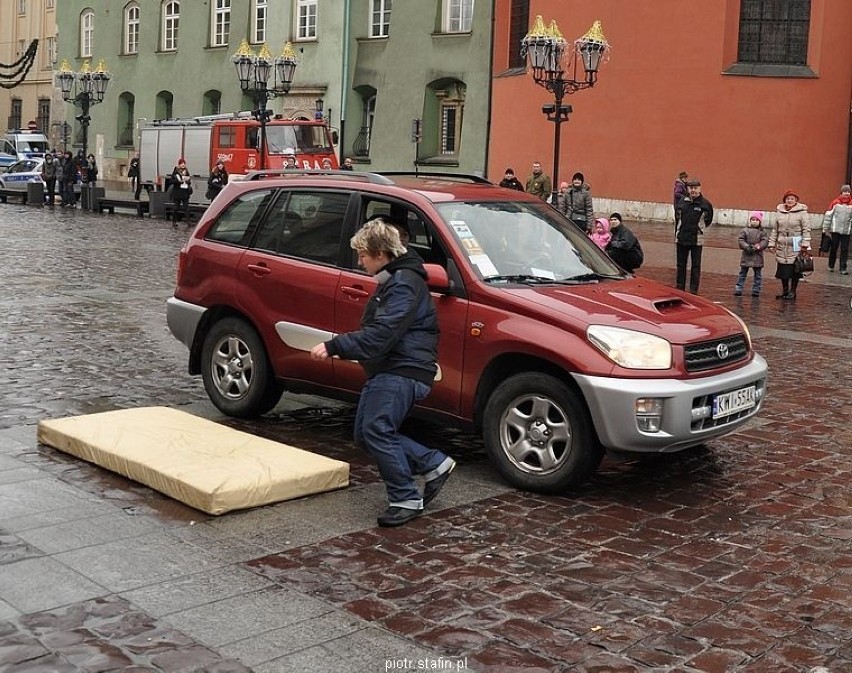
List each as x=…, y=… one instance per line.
x=624, y=247
x=694, y=214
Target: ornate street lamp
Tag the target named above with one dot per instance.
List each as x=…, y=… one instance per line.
x=83, y=89
x=254, y=71
x=545, y=50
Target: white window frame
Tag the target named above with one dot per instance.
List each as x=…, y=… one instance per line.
x=170, y=13
x=380, y=13
x=458, y=16
x=458, y=109
x=131, y=28
x=50, y=51
x=220, y=23
x=87, y=33
x=306, y=20
x=259, y=20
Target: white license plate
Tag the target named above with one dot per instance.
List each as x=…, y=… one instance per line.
x=733, y=402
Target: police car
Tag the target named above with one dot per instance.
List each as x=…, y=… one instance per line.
x=15, y=179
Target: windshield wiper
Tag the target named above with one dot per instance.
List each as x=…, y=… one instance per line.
x=520, y=278
x=588, y=277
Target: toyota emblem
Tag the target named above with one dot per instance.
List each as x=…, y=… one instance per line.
x=722, y=351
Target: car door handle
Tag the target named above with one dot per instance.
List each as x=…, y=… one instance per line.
x=259, y=269
x=354, y=292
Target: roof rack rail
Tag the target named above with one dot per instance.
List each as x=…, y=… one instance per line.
x=374, y=178
x=458, y=177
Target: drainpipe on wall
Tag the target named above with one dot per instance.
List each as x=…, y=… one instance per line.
x=490, y=87
x=344, y=84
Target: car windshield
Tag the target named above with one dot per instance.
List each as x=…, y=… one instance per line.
x=525, y=242
x=32, y=146
x=303, y=139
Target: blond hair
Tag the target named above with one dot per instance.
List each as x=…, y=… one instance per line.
x=378, y=236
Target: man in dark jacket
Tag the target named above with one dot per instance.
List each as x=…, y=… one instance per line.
x=397, y=346
x=693, y=215
x=48, y=174
x=509, y=180
x=624, y=247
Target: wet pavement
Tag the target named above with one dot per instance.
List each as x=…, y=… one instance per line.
x=730, y=557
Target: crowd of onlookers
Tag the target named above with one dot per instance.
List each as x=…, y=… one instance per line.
x=787, y=234
x=62, y=171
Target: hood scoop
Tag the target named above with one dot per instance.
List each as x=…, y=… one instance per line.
x=670, y=305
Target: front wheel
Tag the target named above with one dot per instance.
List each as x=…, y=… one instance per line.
x=539, y=434
x=236, y=371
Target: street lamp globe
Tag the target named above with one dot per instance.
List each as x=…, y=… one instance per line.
x=244, y=62
x=285, y=67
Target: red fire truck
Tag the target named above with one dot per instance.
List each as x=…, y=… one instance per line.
x=236, y=140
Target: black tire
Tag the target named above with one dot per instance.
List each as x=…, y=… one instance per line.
x=235, y=370
x=539, y=435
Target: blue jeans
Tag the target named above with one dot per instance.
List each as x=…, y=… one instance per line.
x=385, y=401
x=758, y=279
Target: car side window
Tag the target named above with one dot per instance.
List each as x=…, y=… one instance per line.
x=423, y=241
x=237, y=223
x=305, y=224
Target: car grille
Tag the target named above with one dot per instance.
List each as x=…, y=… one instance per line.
x=707, y=355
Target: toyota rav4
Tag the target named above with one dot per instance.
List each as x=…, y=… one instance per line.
x=548, y=349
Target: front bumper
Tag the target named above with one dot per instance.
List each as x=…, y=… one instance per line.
x=182, y=319
x=685, y=418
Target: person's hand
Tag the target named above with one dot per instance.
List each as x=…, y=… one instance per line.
x=319, y=352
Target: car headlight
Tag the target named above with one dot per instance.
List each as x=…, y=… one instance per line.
x=631, y=349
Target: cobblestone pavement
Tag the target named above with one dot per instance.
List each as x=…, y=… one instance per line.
x=730, y=557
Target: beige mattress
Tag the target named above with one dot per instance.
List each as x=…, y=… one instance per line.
x=201, y=463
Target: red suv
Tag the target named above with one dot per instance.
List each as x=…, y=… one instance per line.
x=547, y=348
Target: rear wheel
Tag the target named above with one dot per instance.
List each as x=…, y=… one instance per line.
x=236, y=371
x=539, y=434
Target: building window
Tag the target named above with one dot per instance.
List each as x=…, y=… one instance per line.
x=131, y=28
x=306, y=19
x=126, y=119
x=15, y=114
x=380, y=18
x=519, y=22
x=43, y=118
x=171, y=24
x=87, y=33
x=212, y=103
x=50, y=51
x=164, y=105
x=458, y=15
x=49, y=4
x=361, y=146
x=774, y=32
x=22, y=7
x=450, y=127
x=221, y=23
x=258, y=28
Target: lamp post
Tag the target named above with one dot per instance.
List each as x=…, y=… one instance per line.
x=545, y=49
x=254, y=71
x=83, y=89
x=319, y=104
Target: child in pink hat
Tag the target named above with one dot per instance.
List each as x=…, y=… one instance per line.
x=600, y=232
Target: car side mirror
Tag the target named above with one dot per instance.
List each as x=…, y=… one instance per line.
x=436, y=277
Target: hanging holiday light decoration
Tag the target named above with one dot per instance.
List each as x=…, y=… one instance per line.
x=19, y=69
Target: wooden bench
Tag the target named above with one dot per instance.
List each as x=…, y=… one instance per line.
x=109, y=205
x=6, y=194
x=193, y=210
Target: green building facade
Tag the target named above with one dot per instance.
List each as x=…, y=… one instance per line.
x=376, y=67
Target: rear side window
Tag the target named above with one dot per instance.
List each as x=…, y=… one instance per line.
x=237, y=223
x=305, y=224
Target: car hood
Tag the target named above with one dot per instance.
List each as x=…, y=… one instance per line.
x=637, y=304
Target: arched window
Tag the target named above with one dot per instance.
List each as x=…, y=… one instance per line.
x=212, y=104
x=126, y=117
x=170, y=25
x=361, y=146
x=442, y=114
x=131, y=28
x=87, y=33
x=163, y=105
